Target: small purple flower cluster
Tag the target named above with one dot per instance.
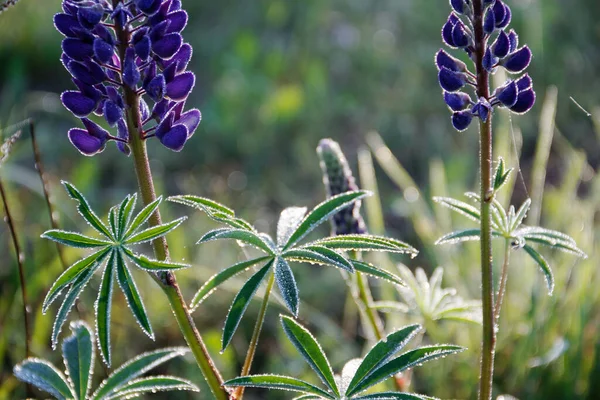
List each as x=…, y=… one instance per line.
x=458, y=33
x=120, y=53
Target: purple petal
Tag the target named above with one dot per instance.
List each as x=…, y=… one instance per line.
x=519, y=60
x=449, y=80
x=178, y=20
x=89, y=73
x=159, y=30
x=84, y=142
x=64, y=23
x=122, y=133
x=524, y=82
x=175, y=5
x=489, y=21
x=144, y=110
x=457, y=101
x=460, y=37
x=191, y=119
x=182, y=57
x=180, y=87
x=443, y=59
x=89, y=17
x=143, y=47
x=447, y=30
x=79, y=104
x=165, y=125
x=157, y=87
x=112, y=112
x=95, y=130
x=458, y=6
x=77, y=49
x=175, y=138
x=103, y=51
x=168, y=45
x=461, y=120
x=161, y=108
x=482, y=109
x=514, y=40
x=489, y=61
x=502, y=14
x=507, y=95
x=131, y=73
x=501, y=46
x=148, y=7
x=525, y=101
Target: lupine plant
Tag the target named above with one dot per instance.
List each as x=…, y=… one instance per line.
x=129, y=66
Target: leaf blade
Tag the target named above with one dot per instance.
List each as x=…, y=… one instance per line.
x=544, y=266
x=44, y=376
x=154, y=232
x=153, y=384
x=242, y=235
x=86, y=211
x=366, y=242
x=372, y=270
x=78, y=354
x=142, y=216
x=103, y=307
x=278, y=382
x=287, y=285
x=152, y=265
x=318, y=255
x=460, y=207
x=74, y=239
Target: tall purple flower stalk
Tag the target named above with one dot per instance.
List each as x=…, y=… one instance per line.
x=124, y=55
x=500, y=49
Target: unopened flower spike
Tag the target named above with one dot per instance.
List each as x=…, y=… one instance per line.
x=500, y=50
x=125, y=55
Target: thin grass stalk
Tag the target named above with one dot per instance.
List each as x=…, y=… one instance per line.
x=487, y=194
x=238, y=394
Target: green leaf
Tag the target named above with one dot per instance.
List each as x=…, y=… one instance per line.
x=112, y=220
x=74, y=291
x=460, y=236
x=366, y=243
x=318, y=255
x=132, y=295
x=407, y=360
x=459, y=206
x=393, y=396
x=73, y=239
x=154, y=232
x=370, y=269
x=45, y=376
x=78, y=354
x=143, y=216
x=289, y=219
x=249, y=237
x=310, y=350
x=103, y=308
x=308, y=397
x=544, y=266
x=71, y=274
x=322, y=213
x=521, y=214
x=153, y=384
x=501, y=174
x=241, y=302
x=551, y=238
x=278, y=382
x=125, y=212
x=217, y=279
x=86, y=211
x=213, y=210
x=134, y=368
x=153, y=265
x=287, y=285
x=382, y=352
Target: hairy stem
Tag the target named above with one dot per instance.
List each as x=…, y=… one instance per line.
x=239, y=392
x=485, y=170
x=166, y=280
x=503, y=280
x=20, y=264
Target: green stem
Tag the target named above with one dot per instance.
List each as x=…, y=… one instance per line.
x=366, y=298
x=239, y=392
x=503, y=280
x=487, y=195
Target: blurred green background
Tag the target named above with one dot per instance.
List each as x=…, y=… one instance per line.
x=275, y=76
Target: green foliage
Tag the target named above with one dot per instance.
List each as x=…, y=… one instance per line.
x=358, y=376
x=78, y=356
x=509, y=226
x=293, y=226
x=115, y=246
x=428, y=301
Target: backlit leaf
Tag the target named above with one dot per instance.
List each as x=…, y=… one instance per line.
x=78, y=353
x=278, y=382
x=45, y=376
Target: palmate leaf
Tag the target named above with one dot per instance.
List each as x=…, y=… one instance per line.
x=132, y=295
x=372, y=270
x=318, y=255
x=153, y=384
x=544, y=266
x=322, y=213
x=365, y=243
x=71, y=274
x=103, y=308
x=134, y=368
x=142, y=217
x=147, y=235
x=382, y=352
x=517, y=220
x=403, y=362
x=217, y=279
x=393, y=396
x=73, y=239
x=78, y=354
x=45, y=376
x=461, y=207
x=289, y=219
x=241, y=302
x=216, y=211
x=287, y=285
x=85, y=210
x=311, y=351
x=278, y=382
x=249, y=237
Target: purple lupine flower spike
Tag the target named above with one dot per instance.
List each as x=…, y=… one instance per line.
x=501, y=50
x=151, y=65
